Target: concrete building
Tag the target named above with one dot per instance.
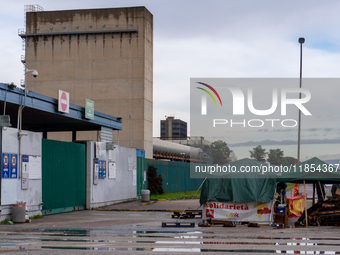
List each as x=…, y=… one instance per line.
x=172, y=128
x=105, y=55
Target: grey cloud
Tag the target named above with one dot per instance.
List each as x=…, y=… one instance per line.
x=319, y=129
x=294, y=130
x=277, y=130
x=287, y=142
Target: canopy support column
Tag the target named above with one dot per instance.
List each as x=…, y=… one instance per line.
x=323, y=197
x=313, y=192
x=306, y=215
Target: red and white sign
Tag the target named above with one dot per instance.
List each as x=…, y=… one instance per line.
x=63, y=101
x=234, y=211
x=5, y=160
x=14, y=161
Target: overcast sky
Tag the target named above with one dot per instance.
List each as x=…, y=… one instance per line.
x=210, y=39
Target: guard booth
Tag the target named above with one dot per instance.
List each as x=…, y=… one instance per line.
x=49, y=176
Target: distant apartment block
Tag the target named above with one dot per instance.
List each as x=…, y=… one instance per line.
x=172, y=128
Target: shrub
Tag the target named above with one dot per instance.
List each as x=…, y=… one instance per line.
x=155, y=181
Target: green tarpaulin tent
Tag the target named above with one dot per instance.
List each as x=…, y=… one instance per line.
x=311, y=170
x=240, y=187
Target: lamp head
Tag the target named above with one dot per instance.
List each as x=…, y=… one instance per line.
x=301, y=40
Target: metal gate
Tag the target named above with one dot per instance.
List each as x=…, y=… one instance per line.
x=63, y=176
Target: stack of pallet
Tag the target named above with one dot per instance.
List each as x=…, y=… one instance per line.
x=187, y=214
x=326, y=215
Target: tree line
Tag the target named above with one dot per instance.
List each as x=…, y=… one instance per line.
x=274, y=156
x=220, y=153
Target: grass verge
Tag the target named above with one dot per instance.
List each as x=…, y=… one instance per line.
x=38, y=216
x=6, y=222
x=190, y=194
x=175, y=196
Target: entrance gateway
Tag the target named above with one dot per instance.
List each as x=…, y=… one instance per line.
x=61, y=187
x=63, y=176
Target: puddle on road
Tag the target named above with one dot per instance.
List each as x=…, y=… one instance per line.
x=67, y=232
x=49, y=232
x=165, y=234
x=200, y=238
x=293, y=238
x=147, y=234
x=177, y=249
x=8, y=244
x=171, y=249
x=93, y=248
x=304, y=239
x=272, y=251
x=306, y=242
x=63, y=240
x=168, y=232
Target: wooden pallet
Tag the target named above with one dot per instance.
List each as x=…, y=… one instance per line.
x=226, y=223
x=187, y=214
x=178, y=224
x=281, y=219
x=326, y=215
x=219, y=221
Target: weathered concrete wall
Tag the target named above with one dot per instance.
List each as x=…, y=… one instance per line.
x=11, y=191
x=111, y=190
x=73, y=51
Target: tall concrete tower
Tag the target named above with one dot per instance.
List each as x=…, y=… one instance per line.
x=105, y=55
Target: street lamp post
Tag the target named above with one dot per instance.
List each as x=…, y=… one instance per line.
x=301, y=41
x=19, y=123
x=35, y=75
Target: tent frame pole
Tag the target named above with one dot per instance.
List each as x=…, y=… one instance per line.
x=271, y=217
x=193, y=197
x=306, y=215
x=313, y=192
x=323, y=197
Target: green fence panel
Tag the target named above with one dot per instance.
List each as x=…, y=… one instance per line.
x=63, y=176
x=176, y=175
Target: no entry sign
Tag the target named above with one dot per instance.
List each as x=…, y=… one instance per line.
x=13, y=170
x=5, y=159
x=5, y=166
x=14, y=160
x=63, y=101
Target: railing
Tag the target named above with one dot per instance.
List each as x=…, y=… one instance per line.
x=77, y=29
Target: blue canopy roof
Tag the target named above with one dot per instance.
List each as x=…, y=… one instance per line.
x=41, y=113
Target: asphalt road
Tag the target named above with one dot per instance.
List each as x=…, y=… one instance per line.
x=140, y=232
